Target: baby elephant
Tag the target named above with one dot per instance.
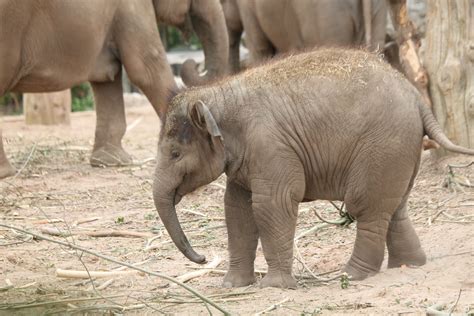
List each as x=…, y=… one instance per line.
x=329, y=124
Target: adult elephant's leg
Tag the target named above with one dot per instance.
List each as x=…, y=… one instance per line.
x=234, y=50
x=258, y=44
x=6, y=169
x=110, y=126
x=379, y=25
x=144, y=57
x=242, y=236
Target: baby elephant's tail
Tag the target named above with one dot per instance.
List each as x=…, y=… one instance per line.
x=434, y=131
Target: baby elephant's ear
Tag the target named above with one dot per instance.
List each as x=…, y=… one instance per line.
x=202, y=118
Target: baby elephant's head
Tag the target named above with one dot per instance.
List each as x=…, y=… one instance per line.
x=190, y=155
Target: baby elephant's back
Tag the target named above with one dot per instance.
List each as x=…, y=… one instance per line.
x=351, y=96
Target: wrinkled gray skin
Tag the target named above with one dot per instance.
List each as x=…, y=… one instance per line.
x=50, y=45
x=281, y=26
x=276, y=131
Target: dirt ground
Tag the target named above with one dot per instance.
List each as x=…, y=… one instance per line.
x=58, y=190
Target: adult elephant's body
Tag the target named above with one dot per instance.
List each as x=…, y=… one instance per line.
x=50, y=45
x=330, y=124
x=280, y=26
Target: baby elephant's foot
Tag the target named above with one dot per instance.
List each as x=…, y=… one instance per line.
x=238, y=278
x=279, y=279
x=357, y=274
x=110, y=156
x=415, y=258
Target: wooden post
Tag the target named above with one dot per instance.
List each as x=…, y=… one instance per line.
x=449, y=59
x=47, y=108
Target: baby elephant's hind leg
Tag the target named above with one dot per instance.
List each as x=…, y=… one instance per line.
x=402, y=241
x=369, y=247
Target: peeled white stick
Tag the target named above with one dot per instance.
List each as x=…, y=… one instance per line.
x=205, y=270
x=74, y=274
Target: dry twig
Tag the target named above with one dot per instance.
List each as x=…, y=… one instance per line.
x=74, y=274
x=273, y=307
x=98, y=233
x=160, y=275
x=196, y=274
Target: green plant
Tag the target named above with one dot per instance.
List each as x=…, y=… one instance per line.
x=120, y=220
x=82, y=98
x=10, y=103
x=344, y=281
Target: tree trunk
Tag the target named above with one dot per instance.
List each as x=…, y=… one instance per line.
x=47, y=108
x=408, y=41
x=450, y=63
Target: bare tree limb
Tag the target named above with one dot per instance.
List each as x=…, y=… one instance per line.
x=160, y=275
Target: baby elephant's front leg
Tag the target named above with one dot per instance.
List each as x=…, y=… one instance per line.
x=242, y=236
x=276, y=224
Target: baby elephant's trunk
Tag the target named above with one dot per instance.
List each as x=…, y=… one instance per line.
x=167, y=211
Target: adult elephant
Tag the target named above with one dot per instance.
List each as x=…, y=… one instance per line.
x=281, y=26
x=51, y=45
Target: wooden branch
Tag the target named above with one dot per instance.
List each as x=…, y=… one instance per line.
x=74, y=274
x=273, y=307
x=98, y=233
x=408, y=42
x=196, y=274
x=117, y=233
x=85, y=250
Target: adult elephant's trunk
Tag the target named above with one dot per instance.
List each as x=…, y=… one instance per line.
x=165, y=204
x=208, y=21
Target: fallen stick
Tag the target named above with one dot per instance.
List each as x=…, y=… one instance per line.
x=74, y=274
x=85, y=220
x=273, y=307
x=102, y=286
x=312, y=230
x=8, y=286
x=53, y=231
x=63, y=301
x=134, y=124
x=220, y=186
x=32, y=152
x=72, y=148
x=49, y=221
x=196, y=274
x=105, y=233
x=121, y=268
x=435, y=310
x=194, y=212
x=160, y=275
x=116, y=233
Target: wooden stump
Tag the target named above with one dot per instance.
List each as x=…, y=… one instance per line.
x=449, y=59
x=47, y=108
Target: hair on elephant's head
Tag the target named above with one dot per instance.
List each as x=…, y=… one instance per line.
x=206, y=18
x=190, y=155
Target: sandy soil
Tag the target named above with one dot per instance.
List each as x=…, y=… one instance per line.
x=57, y=184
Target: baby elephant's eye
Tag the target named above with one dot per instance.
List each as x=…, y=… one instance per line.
x=175, y=154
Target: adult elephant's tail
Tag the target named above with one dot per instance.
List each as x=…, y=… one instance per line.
x=434, y=131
